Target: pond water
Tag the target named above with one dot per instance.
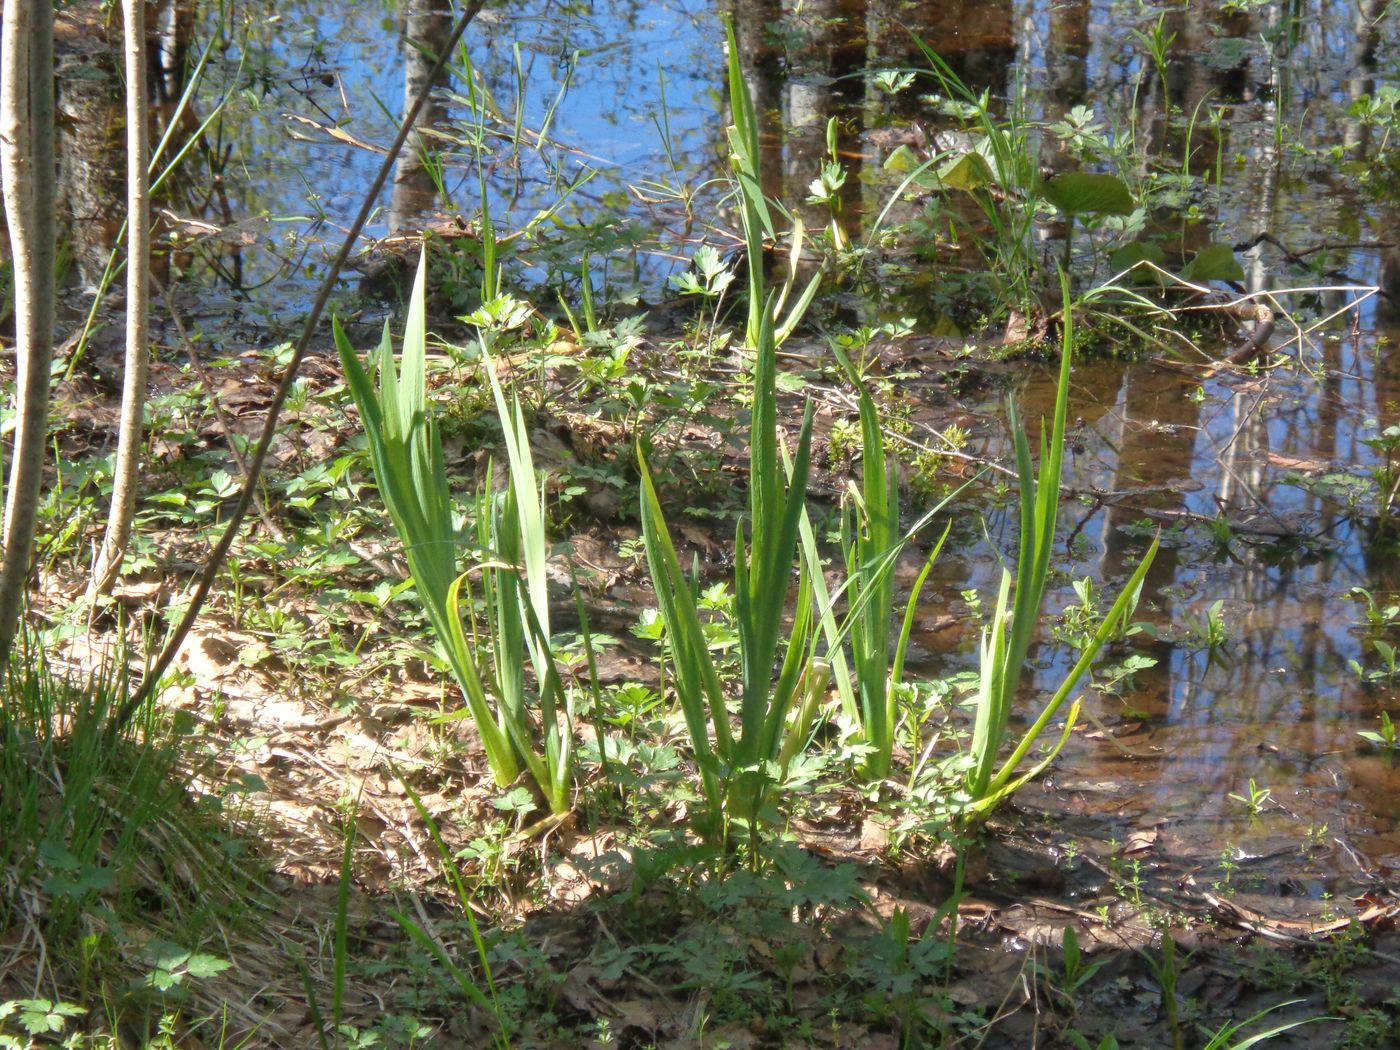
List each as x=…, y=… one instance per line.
x=1279, y=702
x=630, y=99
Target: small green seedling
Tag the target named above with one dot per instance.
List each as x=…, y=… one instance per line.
x=1079, y=619
x=1255, y=798
x=1378, y=615
x=1076, y=972
x=1385, y=673
x=893, y=81
x=1209, y=631
x=1386, y=474
x=173, y=964
x=1386, y=738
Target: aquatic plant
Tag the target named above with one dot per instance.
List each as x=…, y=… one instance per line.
x=1380, y=613
x=1385, y=476
x=1388, y=670
x=1007, y=639
x=736, y=768
x=1209, y=629
x=1254, y=798
x=1386, y=737
x=1000, y=160
x=871, y=541
x=408, y=466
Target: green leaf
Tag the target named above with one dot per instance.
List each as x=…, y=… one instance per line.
x=968, y=172
x=1070, y=946
x=1128, y=256
x=58, y=856
x=517, y=800
x=904, y=161
x=42, y=1017
x=201, y=965
x=87, y=879
x=1088, y=193
x=163, y=980
x=1214, y=263
x=169, y=956
x=696, y=682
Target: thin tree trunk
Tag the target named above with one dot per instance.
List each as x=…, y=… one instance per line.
x=157, y=671
x=138, y=291
x=27, y=167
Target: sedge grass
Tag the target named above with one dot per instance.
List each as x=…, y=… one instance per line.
x=738, y=765
x=110, y=866
x=871, y=542
x=1007, y=639
x=406, y=452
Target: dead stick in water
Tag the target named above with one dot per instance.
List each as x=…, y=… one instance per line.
x=1264, y=321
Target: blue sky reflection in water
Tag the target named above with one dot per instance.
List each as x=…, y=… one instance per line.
x=599, y=78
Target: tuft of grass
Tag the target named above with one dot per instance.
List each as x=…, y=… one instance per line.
x=1007, y=639
x=118, y=889
x=490, y=670
x=737, y=768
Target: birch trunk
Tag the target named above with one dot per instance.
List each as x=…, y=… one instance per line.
x=28, y=177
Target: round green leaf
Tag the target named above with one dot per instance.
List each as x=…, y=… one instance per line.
x=1088, y=193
